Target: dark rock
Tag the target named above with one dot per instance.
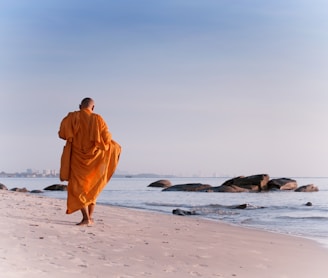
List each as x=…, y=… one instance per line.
x=183, y=212
x=36, y=191
x=188, y=187
x=227, y=189
x=56, y=187
x=307, y=188
x=243, y=206
x=161, y=183
x=308, y=204
x=3, y=187
x=282, y=184
x=19, y=189
x=253, y=183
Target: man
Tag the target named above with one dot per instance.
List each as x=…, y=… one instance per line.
x=93, y=158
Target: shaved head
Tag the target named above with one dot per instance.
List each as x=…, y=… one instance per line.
x=87, y=103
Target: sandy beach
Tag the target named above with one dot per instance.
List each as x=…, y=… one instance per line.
x=39, y=240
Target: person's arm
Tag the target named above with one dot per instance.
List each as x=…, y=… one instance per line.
x=62, y=129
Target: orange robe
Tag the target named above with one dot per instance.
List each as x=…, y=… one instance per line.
x=94, y=157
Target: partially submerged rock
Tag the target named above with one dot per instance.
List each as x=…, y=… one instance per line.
x=307, y=188
x=36, y=191
x=3, y=187
x=227, y=188
x=16, y=189
x=251, y=183
x=188, y=187
x=161, y=184
x=183, y=212
x=56, y=187
x=282, y=184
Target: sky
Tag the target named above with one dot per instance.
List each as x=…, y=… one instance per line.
x=187, y=87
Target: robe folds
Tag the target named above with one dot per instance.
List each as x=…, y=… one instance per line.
x=94, y=157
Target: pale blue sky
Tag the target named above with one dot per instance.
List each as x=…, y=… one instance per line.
x=225, y=87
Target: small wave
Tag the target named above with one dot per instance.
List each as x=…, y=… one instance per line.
x=156, y=204
x=240, y=206
x=302, y=217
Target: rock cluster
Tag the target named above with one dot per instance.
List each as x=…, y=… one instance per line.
x=254, y=183
x=54, y=187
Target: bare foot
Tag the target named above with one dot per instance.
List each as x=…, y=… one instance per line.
x=85, y=223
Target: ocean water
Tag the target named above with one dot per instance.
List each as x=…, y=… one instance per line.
x=281, y=212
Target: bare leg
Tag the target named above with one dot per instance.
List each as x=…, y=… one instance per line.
x=91, y=209
x=86, y=217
